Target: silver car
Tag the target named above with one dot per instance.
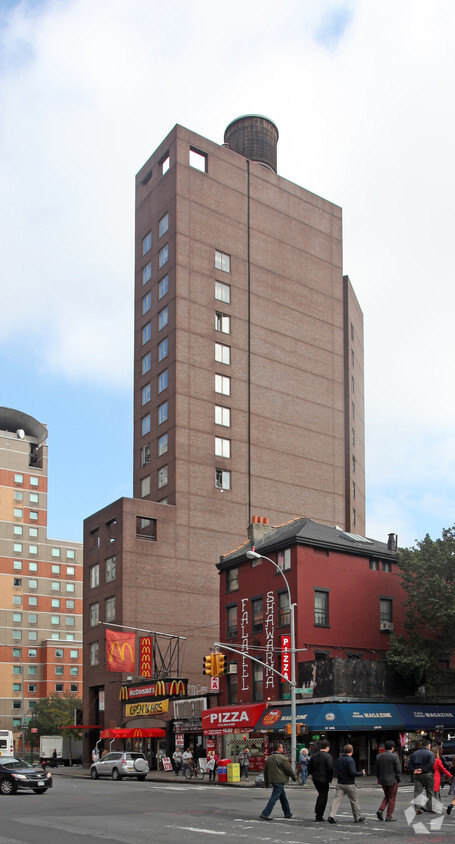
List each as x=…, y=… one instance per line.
x=119, y=764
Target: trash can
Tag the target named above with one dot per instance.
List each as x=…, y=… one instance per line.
x=222, y=769
x=233, y=772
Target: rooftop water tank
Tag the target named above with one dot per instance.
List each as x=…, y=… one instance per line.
x=254, y=137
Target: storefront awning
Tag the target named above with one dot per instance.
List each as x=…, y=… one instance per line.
x=327, y=717
x=428, y=717
x=135, y=732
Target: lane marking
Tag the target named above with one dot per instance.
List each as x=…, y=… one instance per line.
x=195, y=829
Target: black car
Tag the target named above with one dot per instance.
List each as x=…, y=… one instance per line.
x=17, y=773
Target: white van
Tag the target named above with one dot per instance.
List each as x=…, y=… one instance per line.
x=6, y=743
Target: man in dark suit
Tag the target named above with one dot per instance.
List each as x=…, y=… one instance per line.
x=421, y=765
x=320, y=767
x=388, y=770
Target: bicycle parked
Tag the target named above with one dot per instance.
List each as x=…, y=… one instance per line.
x=194, y=770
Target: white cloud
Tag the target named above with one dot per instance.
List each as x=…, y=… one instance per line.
x=361, y=93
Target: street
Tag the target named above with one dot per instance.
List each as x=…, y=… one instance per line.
x=131, y=812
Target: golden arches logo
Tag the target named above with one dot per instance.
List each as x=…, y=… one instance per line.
x=160, y=688
x=123, y=694
x=177, y=687
x=137, y=734
x=121, y=649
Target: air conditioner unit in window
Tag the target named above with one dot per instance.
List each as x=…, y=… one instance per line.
x=386, y=626
x=231, y=669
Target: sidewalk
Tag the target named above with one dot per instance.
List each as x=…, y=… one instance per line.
x=77, y=772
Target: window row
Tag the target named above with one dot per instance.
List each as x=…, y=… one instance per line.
x=33, y=602
x=163, y=288
x=19, y=479
x=33, y=635
x=163, y=226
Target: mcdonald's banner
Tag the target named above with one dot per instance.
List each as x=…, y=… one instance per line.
x=120, y=650
x=160, y=688
x=132, y=710
x=145, y=656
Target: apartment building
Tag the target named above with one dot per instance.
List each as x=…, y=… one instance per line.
x=41, y=580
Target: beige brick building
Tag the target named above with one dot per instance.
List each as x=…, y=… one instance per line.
x=248, y=382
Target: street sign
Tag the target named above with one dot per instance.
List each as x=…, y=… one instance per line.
x=34, y=730
x=303, y=691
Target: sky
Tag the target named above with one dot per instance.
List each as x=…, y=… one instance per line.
x=362, y=94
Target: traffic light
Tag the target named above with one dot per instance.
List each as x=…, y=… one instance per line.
x=221, y=664
x=209, y=665
x=301, y=729
x=288, y=729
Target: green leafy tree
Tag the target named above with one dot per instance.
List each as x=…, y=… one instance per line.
x=53, y=714
x=428, y=576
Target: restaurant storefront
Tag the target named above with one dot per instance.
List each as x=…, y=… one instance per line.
x=364, y=725
x=233, y=728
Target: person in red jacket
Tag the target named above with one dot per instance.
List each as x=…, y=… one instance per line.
x=438, y=770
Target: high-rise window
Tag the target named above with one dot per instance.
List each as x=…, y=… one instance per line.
x=146, y=273
x=222, y=353
x=146, y=394
x=223, y=292
x=145, y=486
x=222, y=447
x=163, y=287
x=222, y=479
x=163, y=318
x=146, y=303
x=222, y=415
x=109, y=609
x=110, y=569
x=162, y=349
x=147, y=243
x=222, y=262
x=94, y=613
x=146, y=363
x=163, y=256
x=145, y=454
x=162, y=445
x=146, y=332
x=162, y=413
x=162, y=381
x=222, y=323
x=162, y=476
x=163, y=225
x=94, y=576
x=223, y=384
x=94, y=652
x=145, y=424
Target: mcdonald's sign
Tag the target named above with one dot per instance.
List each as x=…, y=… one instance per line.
x=177, y=687
x=145, y=656
x=120, y=651
x=161, y=688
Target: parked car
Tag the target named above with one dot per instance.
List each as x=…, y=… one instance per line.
x=119, y=764
x=17, y=773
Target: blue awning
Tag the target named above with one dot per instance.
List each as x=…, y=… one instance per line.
x=428, y=716
x=328, y=717
x=351, y=717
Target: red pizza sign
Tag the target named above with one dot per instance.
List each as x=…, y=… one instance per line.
x=286, y=658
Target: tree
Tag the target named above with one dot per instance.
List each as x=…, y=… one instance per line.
x=428, y=577
x=52, y=714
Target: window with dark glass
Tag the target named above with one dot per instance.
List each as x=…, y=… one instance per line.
x=257, y=611
x=321, y=608
x=231, y=619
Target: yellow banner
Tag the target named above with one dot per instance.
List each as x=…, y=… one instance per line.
x=132, y=709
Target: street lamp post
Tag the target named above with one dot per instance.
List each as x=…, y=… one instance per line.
x=254, y=555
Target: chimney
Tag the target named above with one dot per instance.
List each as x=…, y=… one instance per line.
x=259, y=528
x=392, y=542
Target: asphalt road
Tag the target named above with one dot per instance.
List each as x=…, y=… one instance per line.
x=79, y=810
